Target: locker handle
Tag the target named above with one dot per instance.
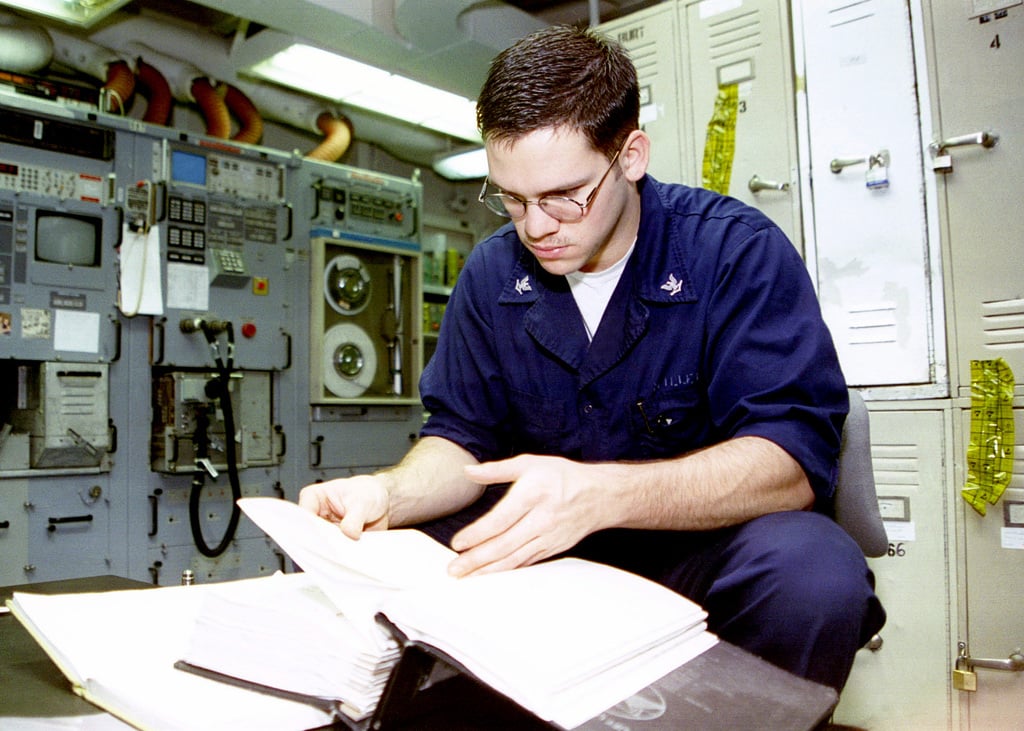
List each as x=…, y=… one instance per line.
x=879, y=159
x=757, y=184
x=1014, y=663
x=987, y=140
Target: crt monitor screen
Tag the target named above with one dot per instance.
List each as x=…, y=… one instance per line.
x=188, y=167
x=63, y=238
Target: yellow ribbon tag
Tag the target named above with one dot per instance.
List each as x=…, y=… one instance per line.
x=990, y=451
x=720, y=144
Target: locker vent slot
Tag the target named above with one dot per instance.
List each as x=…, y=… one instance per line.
x=1002, y=321
x=896, y=465
x=845, y=12
x=645, y=58
x=872, y=325
x=735, y=35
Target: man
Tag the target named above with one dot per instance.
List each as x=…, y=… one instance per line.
x=632, y=372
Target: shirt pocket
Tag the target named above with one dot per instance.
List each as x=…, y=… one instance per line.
x=540, y=424
x=670, y=421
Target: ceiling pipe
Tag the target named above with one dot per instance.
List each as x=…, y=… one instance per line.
x=101, y=63
x=153, y=85
x=25, y=47
x=250, y=123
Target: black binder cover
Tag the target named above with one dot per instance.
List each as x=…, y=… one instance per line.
x=723, y=689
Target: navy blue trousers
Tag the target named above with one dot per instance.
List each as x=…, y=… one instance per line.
x=792, y=587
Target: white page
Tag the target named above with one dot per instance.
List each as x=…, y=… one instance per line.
x=395, y=558
x=124, y=645
x=288, y=635
x=526, y=631
x=355, y=575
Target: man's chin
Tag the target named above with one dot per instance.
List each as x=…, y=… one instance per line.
x=559, y=267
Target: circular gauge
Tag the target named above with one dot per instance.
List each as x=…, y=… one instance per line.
x=350, y=360
x=347, y=284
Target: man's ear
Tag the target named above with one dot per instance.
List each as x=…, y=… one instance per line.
x=636, y=154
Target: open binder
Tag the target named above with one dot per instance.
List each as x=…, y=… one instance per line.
x=722, y=689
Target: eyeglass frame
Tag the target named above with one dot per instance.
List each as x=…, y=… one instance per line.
x=584, y=206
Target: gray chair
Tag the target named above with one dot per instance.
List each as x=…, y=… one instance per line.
x=856, y=503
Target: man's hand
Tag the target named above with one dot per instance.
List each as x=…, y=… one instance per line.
x=356, y=503
x=553, y=503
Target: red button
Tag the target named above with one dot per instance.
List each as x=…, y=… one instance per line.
x=249, y=330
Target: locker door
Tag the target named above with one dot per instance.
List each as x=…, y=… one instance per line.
x=746, y=45
x=904, y=684
x=978, y=60
x=651, y=37
x=873, y=260
x=994, y=569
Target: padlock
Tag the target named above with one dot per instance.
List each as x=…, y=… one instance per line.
x=942, y=163
x=964, y=678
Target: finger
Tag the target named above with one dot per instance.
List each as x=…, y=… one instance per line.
x=490, y=559
x=352, y=523
x=309, y=499
x=499, y=520
x=499, y=471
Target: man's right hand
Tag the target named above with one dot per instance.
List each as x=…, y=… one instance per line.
x=355, y=503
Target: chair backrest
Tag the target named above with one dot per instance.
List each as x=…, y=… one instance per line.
x=856, y=502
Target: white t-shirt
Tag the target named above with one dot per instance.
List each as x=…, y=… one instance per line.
x=593, y=290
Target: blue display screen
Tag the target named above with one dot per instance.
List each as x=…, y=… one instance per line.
x=188, y=167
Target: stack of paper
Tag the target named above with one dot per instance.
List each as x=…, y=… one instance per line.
x=118, y=649
x=288, y=636
x=565, y=639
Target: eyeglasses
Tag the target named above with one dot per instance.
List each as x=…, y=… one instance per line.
x=559, y=207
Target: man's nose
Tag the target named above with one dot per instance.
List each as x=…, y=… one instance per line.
x=537, y=223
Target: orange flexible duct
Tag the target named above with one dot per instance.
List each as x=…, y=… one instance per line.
x=215, y=111
x=158, y=92
x=338, y=133
x=119, y=87
x=249, y=119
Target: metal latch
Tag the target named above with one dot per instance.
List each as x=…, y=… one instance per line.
x=964, y=677
x=942, y=161
x=756, y=184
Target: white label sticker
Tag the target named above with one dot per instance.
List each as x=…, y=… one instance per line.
x=1012, y=538
x=898, y=530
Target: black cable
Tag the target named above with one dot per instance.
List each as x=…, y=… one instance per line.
x=220, y=388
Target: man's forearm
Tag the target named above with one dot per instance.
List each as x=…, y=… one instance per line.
x=722, y=485
x=429, y=482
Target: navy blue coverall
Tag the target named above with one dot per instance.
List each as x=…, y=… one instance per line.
x=714, y=331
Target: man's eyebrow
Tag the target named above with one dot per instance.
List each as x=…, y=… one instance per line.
x=550, y=191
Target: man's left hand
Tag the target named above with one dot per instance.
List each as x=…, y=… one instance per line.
x=551, y=505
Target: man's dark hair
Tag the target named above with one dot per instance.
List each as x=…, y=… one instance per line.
x=561, y=76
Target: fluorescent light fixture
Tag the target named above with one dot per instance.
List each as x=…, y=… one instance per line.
x=464, y=164
x=76, y=12
x=343, y=80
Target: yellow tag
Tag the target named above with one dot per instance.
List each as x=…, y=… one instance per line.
x=720, y=145
x=990, y=451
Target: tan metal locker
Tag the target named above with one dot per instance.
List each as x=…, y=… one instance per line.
x=993, y=561
x=978, y=152
x=747, y=45
x=904, y=684
x=652, y=38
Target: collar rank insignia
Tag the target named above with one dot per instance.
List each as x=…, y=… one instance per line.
x=523, y=285
x=673, y=286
